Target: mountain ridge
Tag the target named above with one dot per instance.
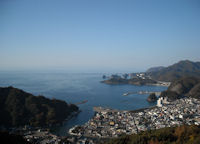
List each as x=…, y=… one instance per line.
x=187, y=86
x=178, y=70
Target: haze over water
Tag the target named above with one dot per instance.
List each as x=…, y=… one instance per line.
x=77, y=87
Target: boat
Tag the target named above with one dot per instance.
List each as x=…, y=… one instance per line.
x=125, y=94
x=82, y=102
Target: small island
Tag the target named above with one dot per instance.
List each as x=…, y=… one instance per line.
x=152, y=98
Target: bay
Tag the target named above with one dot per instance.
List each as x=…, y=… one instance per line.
x=78, y=87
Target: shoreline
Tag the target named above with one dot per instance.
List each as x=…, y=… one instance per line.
x=112, y=123
x=163, y=84
x=157, y=93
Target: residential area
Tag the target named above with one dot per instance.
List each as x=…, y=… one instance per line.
x=113, y=123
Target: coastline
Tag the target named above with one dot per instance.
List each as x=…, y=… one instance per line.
x=164, y=84
x=112, y=123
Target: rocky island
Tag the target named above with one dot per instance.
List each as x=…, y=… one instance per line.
x=152, y=98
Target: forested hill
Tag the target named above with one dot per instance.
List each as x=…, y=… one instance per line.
x=153, y=69
x=176, y=71
x=172, y=135
x=18, y=108
x=187, y=86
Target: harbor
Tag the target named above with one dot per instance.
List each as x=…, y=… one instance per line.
x=142, y=93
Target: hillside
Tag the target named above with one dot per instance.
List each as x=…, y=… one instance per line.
x=176, y=71
x=132, y=81
x=175, y=135
x=153, y=69
x=7, y=138
x=18, y=108
x=187, y=86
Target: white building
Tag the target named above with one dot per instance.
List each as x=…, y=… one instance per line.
x=161, y=101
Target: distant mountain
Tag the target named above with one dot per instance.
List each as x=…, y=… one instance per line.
x=154, y=69
x=187, y=86
x=132, y=81
x=18, y=108
x=176, y=71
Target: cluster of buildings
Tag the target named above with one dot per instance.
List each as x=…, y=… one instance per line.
x=41, y=137
x=79, y=140
x=109, y=123
x=44, y=136
x=36, y=135
x=161, y=101
x=113, y=123
x=141, y=75
x=128, y=76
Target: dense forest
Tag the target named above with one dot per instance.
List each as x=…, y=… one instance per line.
x=18, y=108
x=173, y=135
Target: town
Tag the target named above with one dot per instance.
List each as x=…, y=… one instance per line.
x=110, y=123
x=113, y=123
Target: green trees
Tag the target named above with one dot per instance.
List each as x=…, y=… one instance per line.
x=187, y=86
x=175, y=135
x=7, y=138
x=176, y=71
x=19, y=108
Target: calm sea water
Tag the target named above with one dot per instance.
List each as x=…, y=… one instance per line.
x=74, y=88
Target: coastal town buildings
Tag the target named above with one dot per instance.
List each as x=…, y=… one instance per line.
x=108, y=123
x=112, y=123
x=161, y=101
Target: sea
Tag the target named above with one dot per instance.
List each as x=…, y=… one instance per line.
x=76, y=88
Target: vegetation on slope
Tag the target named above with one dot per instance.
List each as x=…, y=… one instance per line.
x=6, y=138
x=173, y=135
x=187, y=86
x=18, y=108
x=176, y=71
x=153, y=69
x=133, y=81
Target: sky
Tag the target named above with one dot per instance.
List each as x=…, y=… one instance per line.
x=97, y=35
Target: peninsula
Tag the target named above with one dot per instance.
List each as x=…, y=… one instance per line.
x=19, y=108
x=135, y=79
x=158, y=76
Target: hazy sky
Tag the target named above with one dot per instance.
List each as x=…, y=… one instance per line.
x=98, y=35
